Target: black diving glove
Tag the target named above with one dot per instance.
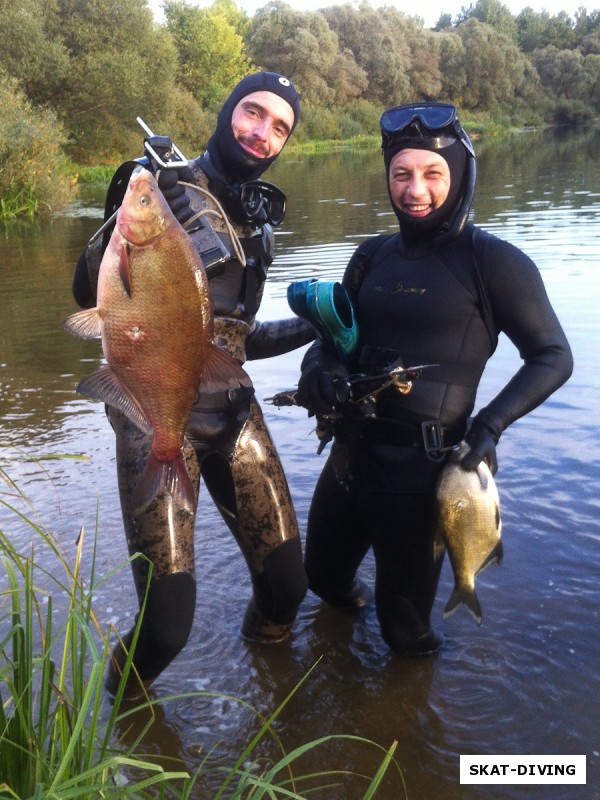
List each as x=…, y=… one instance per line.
x=175, y=193
x=482, y=443
x=317, y=391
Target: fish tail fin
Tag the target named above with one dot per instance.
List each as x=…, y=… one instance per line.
x=168, y=476
x=222, y=371
x=465, y=597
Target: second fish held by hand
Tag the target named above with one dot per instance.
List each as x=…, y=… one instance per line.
x=155, y=317
x=469, y=527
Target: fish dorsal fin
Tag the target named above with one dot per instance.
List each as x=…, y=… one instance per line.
x=222, y=371
x=104, y=385
x=84, y=324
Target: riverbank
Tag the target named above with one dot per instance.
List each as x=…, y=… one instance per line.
x=69, y=177
x=102, y=174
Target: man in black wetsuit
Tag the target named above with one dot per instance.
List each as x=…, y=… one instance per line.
x=437, y=292
x=227, y=439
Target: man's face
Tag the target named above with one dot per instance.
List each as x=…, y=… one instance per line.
x=419, y=182
x=261, y=123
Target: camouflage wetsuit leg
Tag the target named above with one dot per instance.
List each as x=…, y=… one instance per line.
x=246, y=481
x=164, y=536
x=244, y=476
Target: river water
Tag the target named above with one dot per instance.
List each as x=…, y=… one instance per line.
x=528, y=680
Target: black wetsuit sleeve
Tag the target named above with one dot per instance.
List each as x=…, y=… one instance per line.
x=84, y=284
x=522, y=310
x=272, y=338
x=82, y=289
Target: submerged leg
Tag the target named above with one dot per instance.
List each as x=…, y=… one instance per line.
x=163, y=534
x=250, y=490
x=336, y=543
x=407, y=573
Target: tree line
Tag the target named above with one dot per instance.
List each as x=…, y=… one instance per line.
x=80, y=72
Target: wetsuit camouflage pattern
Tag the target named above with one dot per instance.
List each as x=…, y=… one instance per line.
x=229, y=444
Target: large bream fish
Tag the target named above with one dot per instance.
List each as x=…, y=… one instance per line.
x=155, y=317
x=469, y=527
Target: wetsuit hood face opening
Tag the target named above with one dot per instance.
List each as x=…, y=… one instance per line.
x=434, y=127
x=232, y=161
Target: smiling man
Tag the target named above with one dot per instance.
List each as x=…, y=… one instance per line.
x=227, y=439
x=419, y=182
x=262, y=123
x=253, y=126
x=437, y=291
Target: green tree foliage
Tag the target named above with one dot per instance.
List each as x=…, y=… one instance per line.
x=39, y=61
x=302, y=46
x=383, y=54
x=531, y=29
x=498, y=75
x=210, y=48
x=422, y=48
x=494, y=14
x=31, y=140
x=445, y=21
x=585, y=23
x=452, y=60
x=572, y=75
x=120, y=66
x=537, y=30
x=100, y=63
x=590, y=45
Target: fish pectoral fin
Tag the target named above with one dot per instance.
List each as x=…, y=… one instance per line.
x=495, y=557
x=105, y=386
x=482, y=474
x=84, y=324
x=439, y=547
x=466, y=597
x=124, y=268
x=222, y=371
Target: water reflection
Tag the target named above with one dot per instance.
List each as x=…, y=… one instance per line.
x=528, y=680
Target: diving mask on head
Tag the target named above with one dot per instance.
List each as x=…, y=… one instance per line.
x=435, y=123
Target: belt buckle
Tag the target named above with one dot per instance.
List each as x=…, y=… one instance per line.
x=433, y=439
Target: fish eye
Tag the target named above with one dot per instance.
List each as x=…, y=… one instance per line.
x=145, y=200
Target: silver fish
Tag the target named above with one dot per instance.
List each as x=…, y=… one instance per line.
x=469, y=527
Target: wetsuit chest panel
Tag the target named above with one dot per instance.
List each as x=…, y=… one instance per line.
x=403, y=305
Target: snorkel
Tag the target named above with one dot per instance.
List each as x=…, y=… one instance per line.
x=435, y=127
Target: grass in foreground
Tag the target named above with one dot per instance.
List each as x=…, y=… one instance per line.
x=58, y=729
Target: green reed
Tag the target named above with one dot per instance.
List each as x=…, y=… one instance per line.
x=17, y=204
x=59, y=729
